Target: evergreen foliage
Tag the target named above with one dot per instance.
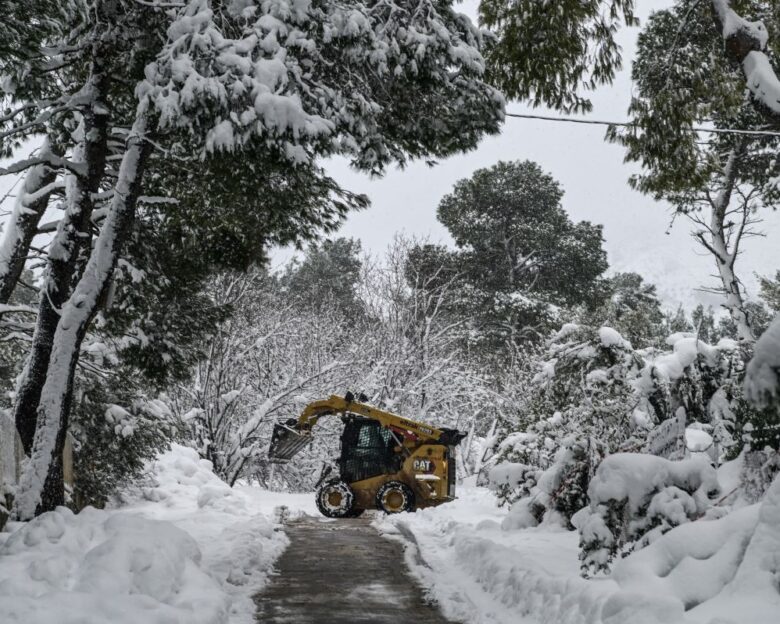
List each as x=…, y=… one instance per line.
x=519, y=258
x=116, y=432
x=328, y=276
x=631, y=306
x=533, y=60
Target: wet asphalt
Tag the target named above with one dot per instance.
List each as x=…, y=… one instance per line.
x=342, y=572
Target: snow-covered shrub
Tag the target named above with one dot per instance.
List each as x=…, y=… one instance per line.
x=695, y=382
x=581, y=410
x=634, y=499
x=115, y=435
x=512, y=481
x=560, y=491
x=518, y=461
x=595, y=391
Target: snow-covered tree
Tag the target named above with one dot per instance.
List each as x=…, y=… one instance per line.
x=717, y=181
x=631, y=306
x=519, y=257
x=198, y=79
x=328, y=276
x=279, y=350
x=262, y=365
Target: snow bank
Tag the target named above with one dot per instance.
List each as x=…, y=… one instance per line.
x=480, y=574
x=753, y=595
x=634, y=477
x=184, y=548
x=234, y=527
x=690, y=564
x=100, y=566
x=180, y=477
x=722, y=571
x=712, y=571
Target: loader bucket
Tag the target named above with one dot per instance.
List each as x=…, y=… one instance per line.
x=286, y=442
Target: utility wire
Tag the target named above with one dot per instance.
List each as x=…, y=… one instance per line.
x=623, y=124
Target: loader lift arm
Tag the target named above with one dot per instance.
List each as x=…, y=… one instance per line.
x=289, y=438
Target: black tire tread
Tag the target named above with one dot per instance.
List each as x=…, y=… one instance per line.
x=408, y=493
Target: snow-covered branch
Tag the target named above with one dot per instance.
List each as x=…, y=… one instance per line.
x=746, y=44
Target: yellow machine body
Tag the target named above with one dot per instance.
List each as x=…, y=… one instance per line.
x=380, y=450
x=426, y=472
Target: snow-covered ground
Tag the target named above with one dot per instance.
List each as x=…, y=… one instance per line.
x=188, y=549
x=482, y=574
x=720, y=571
x=184, y=549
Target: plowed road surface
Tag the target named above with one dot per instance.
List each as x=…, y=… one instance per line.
x=342, y=572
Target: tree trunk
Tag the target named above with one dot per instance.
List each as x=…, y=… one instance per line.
x=67, y=254
x=725, y=258
x=41, y=488
x=20, y=230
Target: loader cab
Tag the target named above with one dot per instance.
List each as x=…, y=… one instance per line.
x=367, y=450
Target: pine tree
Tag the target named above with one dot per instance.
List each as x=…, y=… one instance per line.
x=328, y=276
x=549, y=52
x=519, y=257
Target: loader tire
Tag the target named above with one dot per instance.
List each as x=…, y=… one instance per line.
x=395, y=497
x=335, y=499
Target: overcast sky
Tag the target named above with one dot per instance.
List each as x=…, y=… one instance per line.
x=595, y=181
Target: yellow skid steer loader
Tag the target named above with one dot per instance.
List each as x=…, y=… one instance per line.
x=387, y=462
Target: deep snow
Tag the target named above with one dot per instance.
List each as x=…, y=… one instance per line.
x=183, y=549
x=719, y=571
x=187, y=549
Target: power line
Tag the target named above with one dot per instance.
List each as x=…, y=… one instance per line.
x=624, y=124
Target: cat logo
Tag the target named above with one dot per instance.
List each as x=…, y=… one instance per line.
x=423, y=465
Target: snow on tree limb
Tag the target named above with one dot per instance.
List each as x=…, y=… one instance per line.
x=75, y=316
x=746, y=43
x=31, y=202
x=265, y=75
